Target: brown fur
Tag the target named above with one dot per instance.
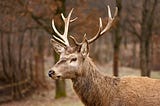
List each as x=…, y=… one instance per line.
x=95, y=89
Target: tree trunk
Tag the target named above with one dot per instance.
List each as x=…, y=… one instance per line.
x=21, y=43
x=39, y=63
x=145, y=59
x=116, y=61
x=134, y=50
x=146, y=34
x=60, y=84
x=3, y=61
x=117, y=41
x=60, y=89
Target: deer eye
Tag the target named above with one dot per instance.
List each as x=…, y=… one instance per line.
x=73, y=59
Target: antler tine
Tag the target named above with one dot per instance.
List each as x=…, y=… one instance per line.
x=75, y=41
x=59, y=40
x=98, y=33
x=70, y=20
x=110, y=20
x=108, y=26
x=63, y=38
x=66, y=22
x=74, y=19
x=54, y=28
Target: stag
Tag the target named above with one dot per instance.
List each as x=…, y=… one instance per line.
x=93, y=87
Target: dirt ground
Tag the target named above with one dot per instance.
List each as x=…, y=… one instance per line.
x=46, y=97
x=45, y=100
x=39, y=100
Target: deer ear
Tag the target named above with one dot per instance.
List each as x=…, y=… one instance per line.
x=59, y=48
x=84, y=49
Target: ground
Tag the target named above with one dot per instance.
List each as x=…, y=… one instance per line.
x=46, y=97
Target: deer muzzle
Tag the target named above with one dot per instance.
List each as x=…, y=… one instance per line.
x=53, y=74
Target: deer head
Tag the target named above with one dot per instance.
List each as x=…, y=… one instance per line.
x=72, y=58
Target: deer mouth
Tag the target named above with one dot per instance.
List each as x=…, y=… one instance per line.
x=56, y=77
x=53, y=75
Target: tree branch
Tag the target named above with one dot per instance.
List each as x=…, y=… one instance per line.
x=37, y=19
x=133, y=29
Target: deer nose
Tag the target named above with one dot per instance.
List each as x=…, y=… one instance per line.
x=51, y=72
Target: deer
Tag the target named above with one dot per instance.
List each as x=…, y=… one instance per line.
x=93, y=87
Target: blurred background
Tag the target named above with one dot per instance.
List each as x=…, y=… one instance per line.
x=131, y=47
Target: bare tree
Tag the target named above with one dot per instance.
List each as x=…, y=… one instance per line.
x=43, y=19
x=148, y=13
x=117, y=41
x=141, y=25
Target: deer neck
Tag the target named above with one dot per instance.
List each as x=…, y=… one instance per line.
x=92, y=85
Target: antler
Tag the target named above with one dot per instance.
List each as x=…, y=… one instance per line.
x=101, y=31
x=63, y=38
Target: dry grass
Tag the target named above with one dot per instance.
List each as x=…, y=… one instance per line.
x=126, y=71
x=46, y=98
